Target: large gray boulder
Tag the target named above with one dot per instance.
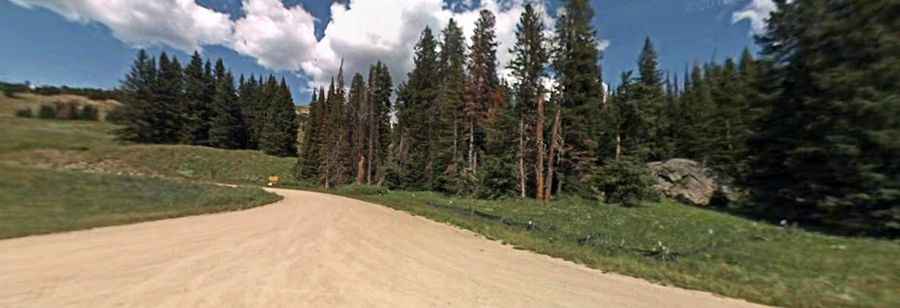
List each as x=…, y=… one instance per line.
x=685, y=181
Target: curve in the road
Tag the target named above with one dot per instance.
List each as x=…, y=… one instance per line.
x=309, y=250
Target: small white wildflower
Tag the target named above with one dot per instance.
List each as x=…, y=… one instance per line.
x=711, y=231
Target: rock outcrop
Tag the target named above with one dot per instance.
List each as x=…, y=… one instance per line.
x=685, y=181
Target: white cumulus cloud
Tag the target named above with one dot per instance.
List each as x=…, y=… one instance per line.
x=279, y=37
x=387, y=30
x=757, y=11
x=283, y=38
x=181, y=24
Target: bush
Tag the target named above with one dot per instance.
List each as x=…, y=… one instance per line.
x=626, y=181
x=47, y=112
x=362, y=190
x=115, y=116
x=497, y=179
x=24, y=113
x=66, y=110
x=89, y=113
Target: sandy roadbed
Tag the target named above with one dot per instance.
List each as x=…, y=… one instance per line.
x=309, y=250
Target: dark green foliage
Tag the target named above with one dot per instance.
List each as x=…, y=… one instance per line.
x=47, y=112
x=529, y=67
x=654, y=141
x=115, y=116
x=197, y=102
x=89, y=113
x=827, y=150
x=11, y=89
x=24, y=113
x=227, y=129
x=481, y=93
x=451, y=127
x=497, y=177
x=307, y=167
x=416, y=113
x=137, y=110
x=279, y=134
x=625, y=181
x=168, y=101
x=379, y=101
x=579, y=93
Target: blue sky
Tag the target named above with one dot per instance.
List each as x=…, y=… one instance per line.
x=76, y=43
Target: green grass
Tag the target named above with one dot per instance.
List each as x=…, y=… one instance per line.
x=37, y=201
x=79, y=145
x=678, y=245
x=666, y=243
x=44, y=186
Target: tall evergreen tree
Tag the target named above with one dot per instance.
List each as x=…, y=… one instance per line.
x=168, y=99
x=652, y=142
x=137, y=92
x=450, y=125
x=827, y=149
x=227, y=128
x=197, y=101
x=416, y=116
x=357, y=117
x=528, y=70
x=311, y=149
x=379, y=102
x=580, y=93
x=279, y=132
x=483, y=85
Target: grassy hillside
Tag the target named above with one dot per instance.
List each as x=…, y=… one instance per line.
x=58, y=175
x=9, y=104
x=36, y=201
x=678, y=245
x=89, y=146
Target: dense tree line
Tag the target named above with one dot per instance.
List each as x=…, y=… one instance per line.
x=347, y=135
x=11, y=89
x=201, y=104
x=810, y=129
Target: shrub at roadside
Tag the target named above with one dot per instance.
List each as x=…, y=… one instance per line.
x=625, y=181
x=89, y=113
x=24, y=113
x=47, y=112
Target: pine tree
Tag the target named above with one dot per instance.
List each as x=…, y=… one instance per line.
x=416, y=115
x=528, y=69
x=580, y=94
x=651, y=142
x=227, y=128
x=279, y=132
x=357, y=118
x=450, y=119
x=380, y=88
x=311, y=149
x=249, y=97
x=197, y=101
x=137, y=98
x=827, y=148
x=483, y=84
x=697, y=108
x=168, y=97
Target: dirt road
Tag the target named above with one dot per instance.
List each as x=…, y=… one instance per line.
x=310, y=250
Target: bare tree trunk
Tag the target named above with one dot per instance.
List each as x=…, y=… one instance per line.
x=472, y=163
x=555, y=143
x=455, y=140
x=618, y=145
x=521, y=173
x=539, y=149
x=370, y=158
